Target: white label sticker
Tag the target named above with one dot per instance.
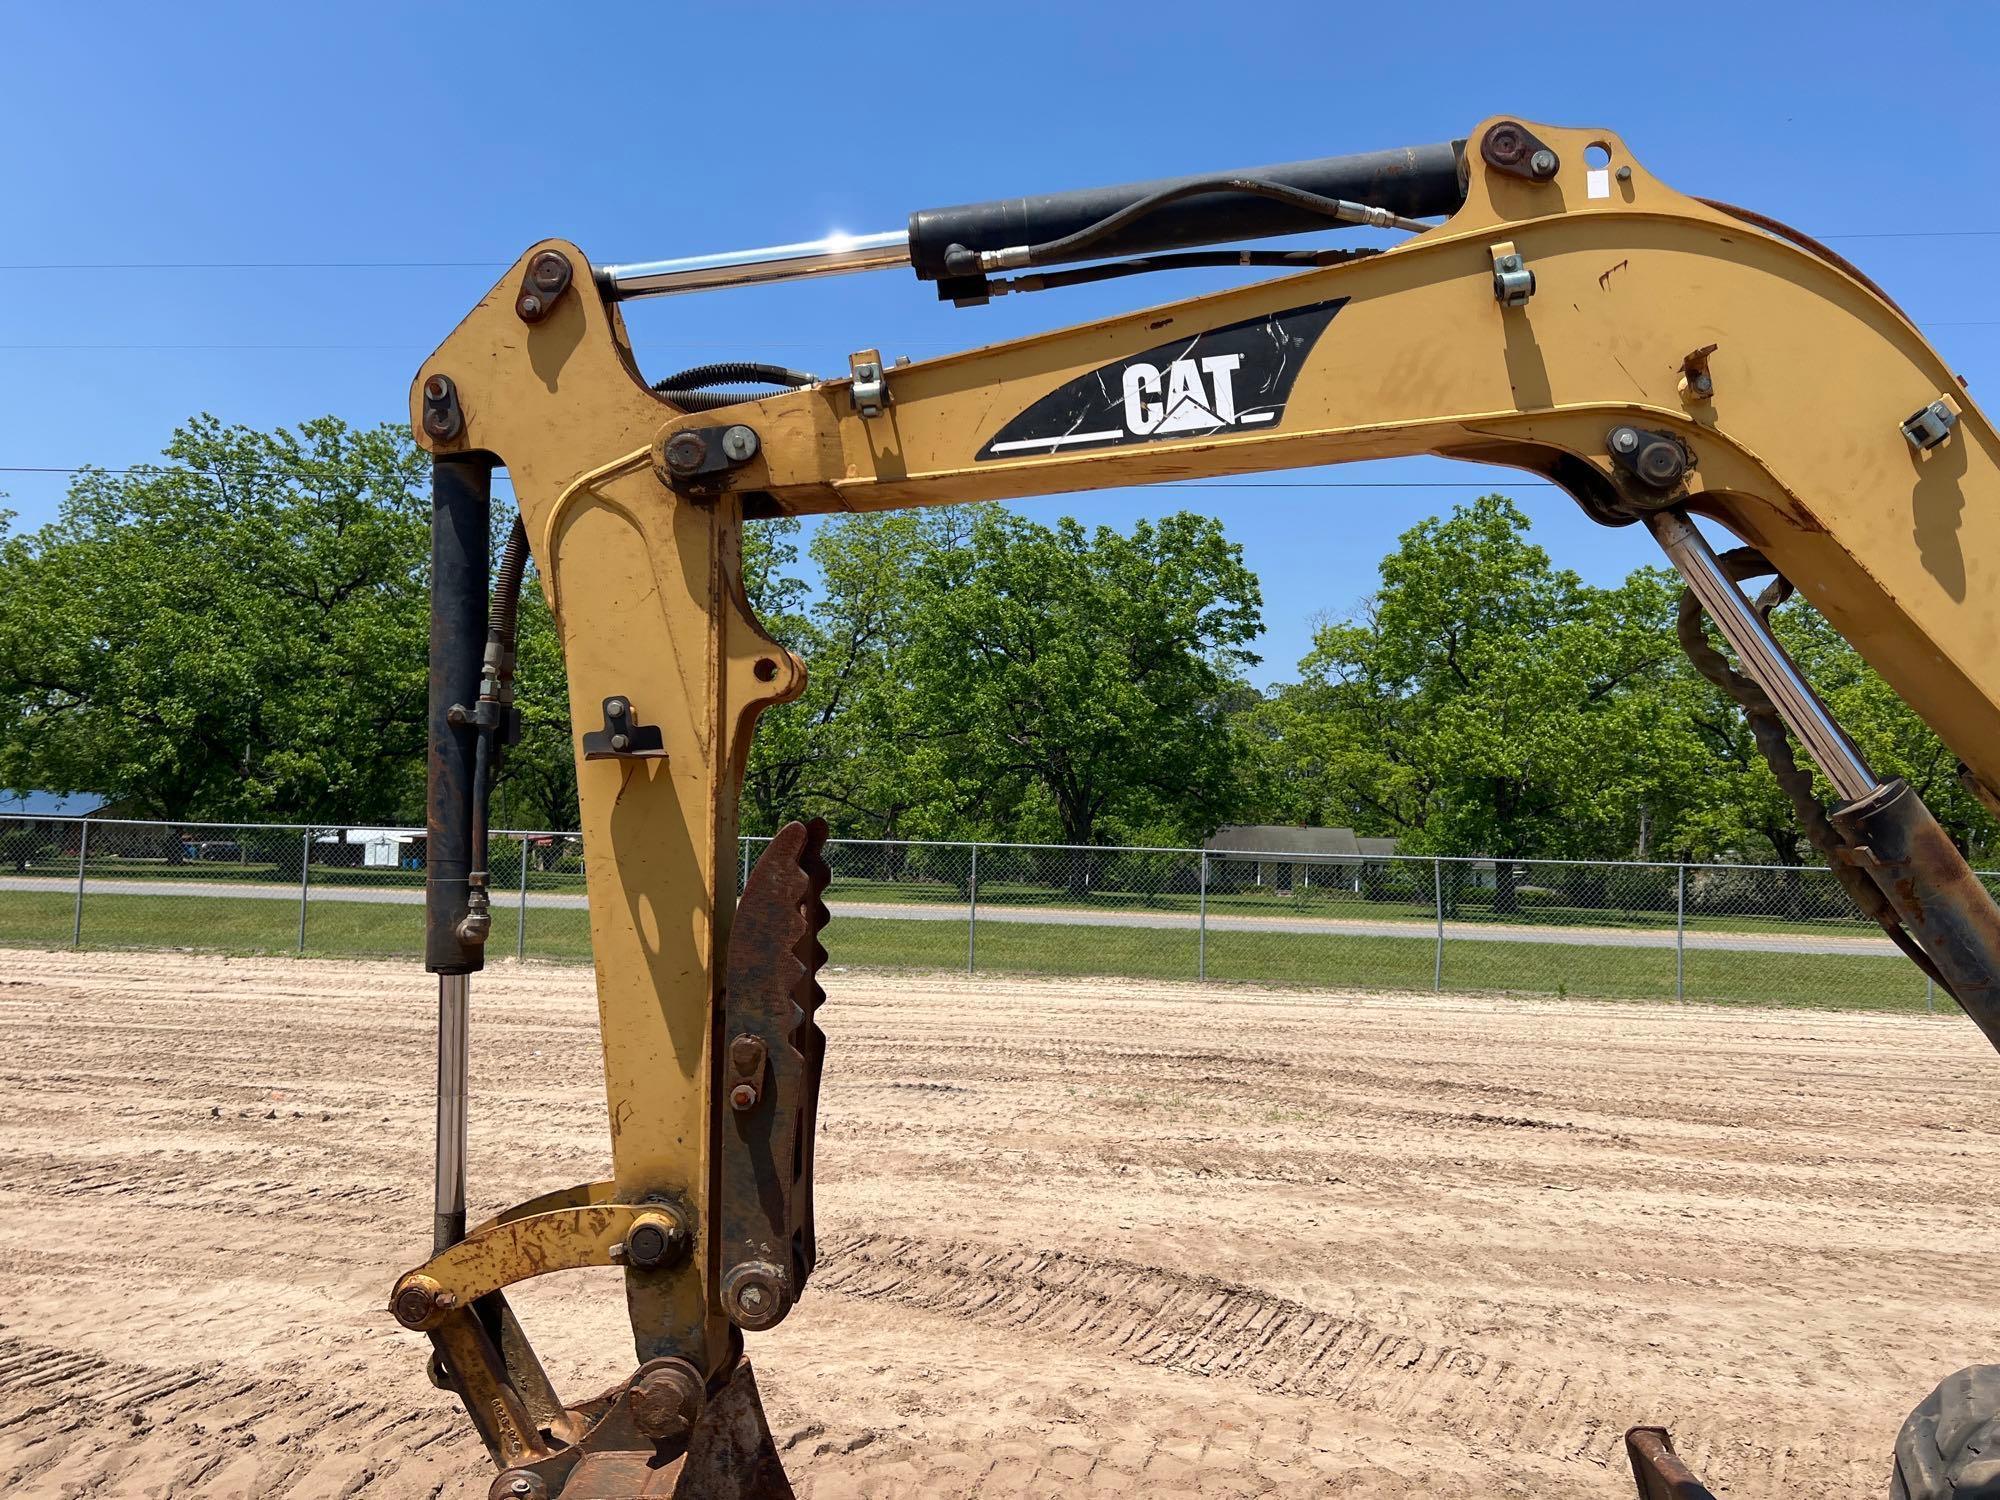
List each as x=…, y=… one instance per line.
x=1597, y=182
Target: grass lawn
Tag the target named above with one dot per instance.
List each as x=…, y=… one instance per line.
x=354, y=928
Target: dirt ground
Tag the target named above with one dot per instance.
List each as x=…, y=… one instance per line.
x=1078, y=1237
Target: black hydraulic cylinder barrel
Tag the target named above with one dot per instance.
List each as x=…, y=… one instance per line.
x=461, y=508
x=1946, y=907
x=1415, y=181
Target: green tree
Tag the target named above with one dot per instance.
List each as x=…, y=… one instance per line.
x=235, y=633
x=1887, y=731
x=1077, y=684
x=846, y=749
x=536, y=785
x=1485, y=702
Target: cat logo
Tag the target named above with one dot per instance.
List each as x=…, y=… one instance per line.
x=1236, y=376
x=1200, y=396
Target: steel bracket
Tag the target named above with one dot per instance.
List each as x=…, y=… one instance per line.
x=623, y=737
x=1513, y=282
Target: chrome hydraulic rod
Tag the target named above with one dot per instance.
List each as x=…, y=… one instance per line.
x=451, y=1103
x=1382, y=188
x=833, y=256
x=1762, y=658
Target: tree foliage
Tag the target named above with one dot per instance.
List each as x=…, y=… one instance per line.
x=1082, y=679
x=238, y=632
x=1484, y=701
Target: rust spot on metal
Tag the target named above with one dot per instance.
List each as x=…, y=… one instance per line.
x=770, y=1068
x=1658, y=1470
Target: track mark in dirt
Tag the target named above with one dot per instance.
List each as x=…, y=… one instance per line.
x=1199, y=1325
x=1389, y=1249
x=74, y=1423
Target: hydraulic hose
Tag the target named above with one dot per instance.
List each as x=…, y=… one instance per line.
x=507, y=593
x=961, y=261
x=689, y=389
x=496, y=698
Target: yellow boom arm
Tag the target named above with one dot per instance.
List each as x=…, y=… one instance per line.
x=1653, y=354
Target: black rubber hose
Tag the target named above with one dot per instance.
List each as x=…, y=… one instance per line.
x=734, y=372
x=1048, y=281
x=686, y=388
x=1073, y=246
x=507, y=587
x=707, y=400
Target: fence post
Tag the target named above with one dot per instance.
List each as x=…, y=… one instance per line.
x=82, y=853
x=521, y=919
x=1680, y=932
x=1437, y=887
x=743, y=879
x=1201, y=925
x=973, y=911
x=1930, y=995
x=305, y=881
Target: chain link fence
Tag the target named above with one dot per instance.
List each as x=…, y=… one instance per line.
x=1756, y=934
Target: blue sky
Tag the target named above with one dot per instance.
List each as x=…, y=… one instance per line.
x=276, y=136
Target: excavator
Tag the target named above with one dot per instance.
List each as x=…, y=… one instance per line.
x=1547, y=305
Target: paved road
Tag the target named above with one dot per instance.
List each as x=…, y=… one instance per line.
x=1056, y=916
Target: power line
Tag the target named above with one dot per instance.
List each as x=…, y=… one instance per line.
x=260, y=265
x=1912, y=234
x=489, y=265
x=418, y=350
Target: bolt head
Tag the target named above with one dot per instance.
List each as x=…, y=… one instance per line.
x=620, y=741
x=416, y=1304
x=530, y=305
x=1625, y=440
x=616, y=708
x=655, y=1242
x=550, y=271
x=739, y=442
x=743, y=1097
x=685, y=452
x=754, y=1296
x=667, y=1399
x=1543, y=163
x=520, y=1486
x=1704, y=383
x=1505, y=143
x=437, y=388
x=1662, y=463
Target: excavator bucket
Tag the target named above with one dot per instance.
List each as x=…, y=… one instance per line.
x=730, y=1456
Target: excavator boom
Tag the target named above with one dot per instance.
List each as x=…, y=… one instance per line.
x=1659, y=357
